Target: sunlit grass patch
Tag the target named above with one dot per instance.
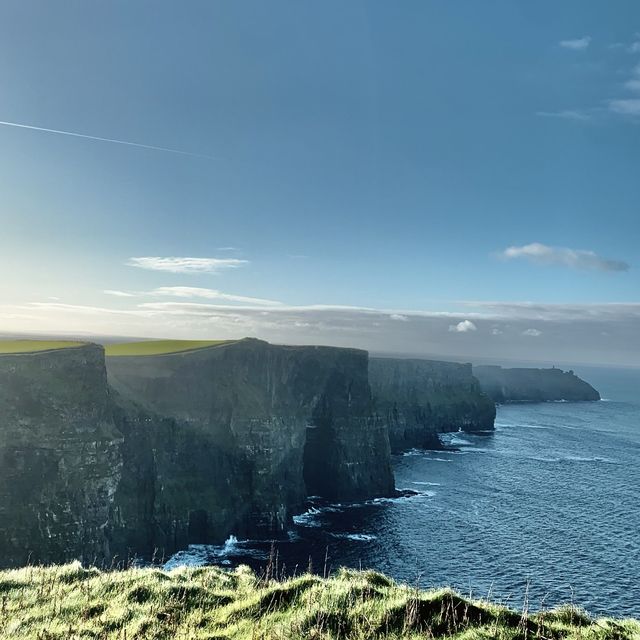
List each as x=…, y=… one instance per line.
x=32, y=346
x=159, y=347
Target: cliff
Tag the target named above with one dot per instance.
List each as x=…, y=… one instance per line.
x=420, y=398
x=184, y=447
x=232, y=438
x=533, y=385
x=59, y=456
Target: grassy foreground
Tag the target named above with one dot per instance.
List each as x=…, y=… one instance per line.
x=159, y=347
x=71, y=602
x=32, y=346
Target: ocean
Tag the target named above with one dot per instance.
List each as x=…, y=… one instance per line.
x=544, y=511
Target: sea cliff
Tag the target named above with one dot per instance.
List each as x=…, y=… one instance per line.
x=418, y=399
x=178, y=448
x=533, y=385
x=60, y=456
x=231, y=439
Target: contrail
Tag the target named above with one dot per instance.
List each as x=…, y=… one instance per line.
x=99, y=139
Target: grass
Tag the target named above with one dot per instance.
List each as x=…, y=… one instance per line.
x=159, y=347
x=32, y=346
x=70, y=602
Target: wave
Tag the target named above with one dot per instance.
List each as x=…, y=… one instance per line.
x=360, y=537
x=410, y=495
x=429, y=484
x=571, y=458
x=310, y=517
x=198, y=555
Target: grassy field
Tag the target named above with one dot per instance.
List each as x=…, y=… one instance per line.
x=158, y=347
x=70, y=603
x=32, y=346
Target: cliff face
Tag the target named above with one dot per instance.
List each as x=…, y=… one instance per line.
x=188, y=447
x=59, y=456
x=420, y=398
x=533, y=385
x=232, y=438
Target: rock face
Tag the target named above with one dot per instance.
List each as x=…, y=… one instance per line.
x=420, y=398
x=59, y=456
x=231, y=439
x=533, y=385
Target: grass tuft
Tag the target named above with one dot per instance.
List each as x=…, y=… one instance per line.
x=74, y=603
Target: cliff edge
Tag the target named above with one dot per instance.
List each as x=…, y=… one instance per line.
x=420, y=398
x=533, y=385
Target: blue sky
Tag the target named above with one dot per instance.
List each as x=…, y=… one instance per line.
x=376, y=155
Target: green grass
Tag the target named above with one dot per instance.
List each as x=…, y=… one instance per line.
x=159, y=347
x=32, y=346
x=70, y=603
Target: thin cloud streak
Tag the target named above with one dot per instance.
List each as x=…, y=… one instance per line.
x=577, y=44
x=185, y=264
x=543, y=254
x=74, y=134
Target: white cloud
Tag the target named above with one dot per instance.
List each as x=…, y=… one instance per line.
x=532, y=332
x=119, y=294
x=539, y=253
x=399, y=316
x=576, y=44
x=625, y=107
x=634, y=47
x=566, y=114
x=185, y=265
x=463, y=327
x=210, y=294
x=496, y=332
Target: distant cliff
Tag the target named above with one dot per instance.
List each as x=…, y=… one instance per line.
x=533, y=385
x=420, y=398
x=59, y=456
x=231, y=439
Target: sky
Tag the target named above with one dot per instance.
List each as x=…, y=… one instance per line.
x=426, y=177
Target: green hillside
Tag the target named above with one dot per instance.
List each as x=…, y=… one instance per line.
x=70, y=603
x=159, y=347
x=32, y=346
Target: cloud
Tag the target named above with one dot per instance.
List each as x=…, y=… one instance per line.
x=566, y=114
x=463, y=326
x=575, y=258
x=119, y=294
x=399, y=317
x=186, y=265
x=496, y=332
x=634, y=47
x=210, y=294
x=626, y=107
x=532, y=332
x=577, y=44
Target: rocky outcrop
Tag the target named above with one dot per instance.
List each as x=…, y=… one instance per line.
x=419, y=399
x=533, y=385
x=60, y=458
x=231, y=439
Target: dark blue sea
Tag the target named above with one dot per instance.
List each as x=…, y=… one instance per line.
x=546, y=509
